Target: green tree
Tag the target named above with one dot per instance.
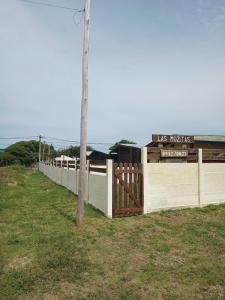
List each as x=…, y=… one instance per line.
x=7, y=159
x=123, y=141
x=72, y=151
x=24, y=153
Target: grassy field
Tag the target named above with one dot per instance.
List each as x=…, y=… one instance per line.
x=171, y=255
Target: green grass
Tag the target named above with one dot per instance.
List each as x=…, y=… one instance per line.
x=43, y=255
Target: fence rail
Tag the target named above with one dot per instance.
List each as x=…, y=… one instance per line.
x=97, y=166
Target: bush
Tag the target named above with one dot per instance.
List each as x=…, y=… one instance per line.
x=72, y=151
x=7, y=159
x=25, y=152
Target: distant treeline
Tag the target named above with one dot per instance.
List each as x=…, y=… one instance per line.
x=24, y=152
x=27, y=152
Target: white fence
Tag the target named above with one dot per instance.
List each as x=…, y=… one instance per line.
x=179, y=185
x=166, y=185
x=99, y=192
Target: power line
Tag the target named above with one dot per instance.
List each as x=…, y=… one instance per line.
x=76, y=142
x=53, y=5
x=18, y=138
x=48, y=138
x=58, y=139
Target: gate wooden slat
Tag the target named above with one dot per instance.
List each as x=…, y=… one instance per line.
x=141, y=185
x=136, y=181
x=130, y=183
x=126, y=197
x=120, y=187
x=114, y=188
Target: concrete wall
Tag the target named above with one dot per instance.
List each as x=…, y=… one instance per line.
x=213, y=183
x=98, y=191
x=170, y=185
x=99, y=185
x=179, y=185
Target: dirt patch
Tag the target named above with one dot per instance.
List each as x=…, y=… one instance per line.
x=215, y=292
x=3, y=177
x=68, y=288
x=18, y=262
x=71, y=289
x=40, y=297
x=50, y=297
x=12, y=183
x=171, y=219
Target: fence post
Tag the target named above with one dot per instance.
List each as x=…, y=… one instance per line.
x=144, y=160
x=200, y=177
x=109, y=165
x=87, y=186
x=75, y=169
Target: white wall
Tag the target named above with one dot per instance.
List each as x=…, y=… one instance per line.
x=213, y=183
x=170, y=185
x=178, y=185
x=98, y=191
x=99, y=185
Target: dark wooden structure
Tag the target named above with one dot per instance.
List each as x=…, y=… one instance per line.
x=125, y=153
x=213, y=148
x=98, y=155
x=209, y=142
x=127, y=189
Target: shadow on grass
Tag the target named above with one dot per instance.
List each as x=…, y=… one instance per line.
x=68, y=216
x=90, y=212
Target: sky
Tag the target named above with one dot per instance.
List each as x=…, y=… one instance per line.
x=156, y=66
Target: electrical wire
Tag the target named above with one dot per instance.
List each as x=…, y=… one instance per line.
x=52, y=139
x=18, y=138
x=74, y=19
x=53, y=5
x=58, y=139
x=76, y=142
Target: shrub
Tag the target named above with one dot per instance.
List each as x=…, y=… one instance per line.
x=26, y=152
x=7, y=159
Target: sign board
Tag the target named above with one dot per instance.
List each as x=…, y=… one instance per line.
x=178, y=139
x=174, y=153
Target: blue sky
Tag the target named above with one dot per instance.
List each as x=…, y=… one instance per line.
x=155, y=67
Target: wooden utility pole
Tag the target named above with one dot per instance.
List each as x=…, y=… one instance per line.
x=83, y=125
x=49, y=151
x=43, y=154
x=39, y=154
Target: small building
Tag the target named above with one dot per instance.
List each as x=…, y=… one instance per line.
x=184, y=148
x=63, y=158
x=97, y=155
x=209, y=141
x=126, y=153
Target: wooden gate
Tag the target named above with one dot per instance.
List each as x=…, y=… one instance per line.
x=127, y=189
